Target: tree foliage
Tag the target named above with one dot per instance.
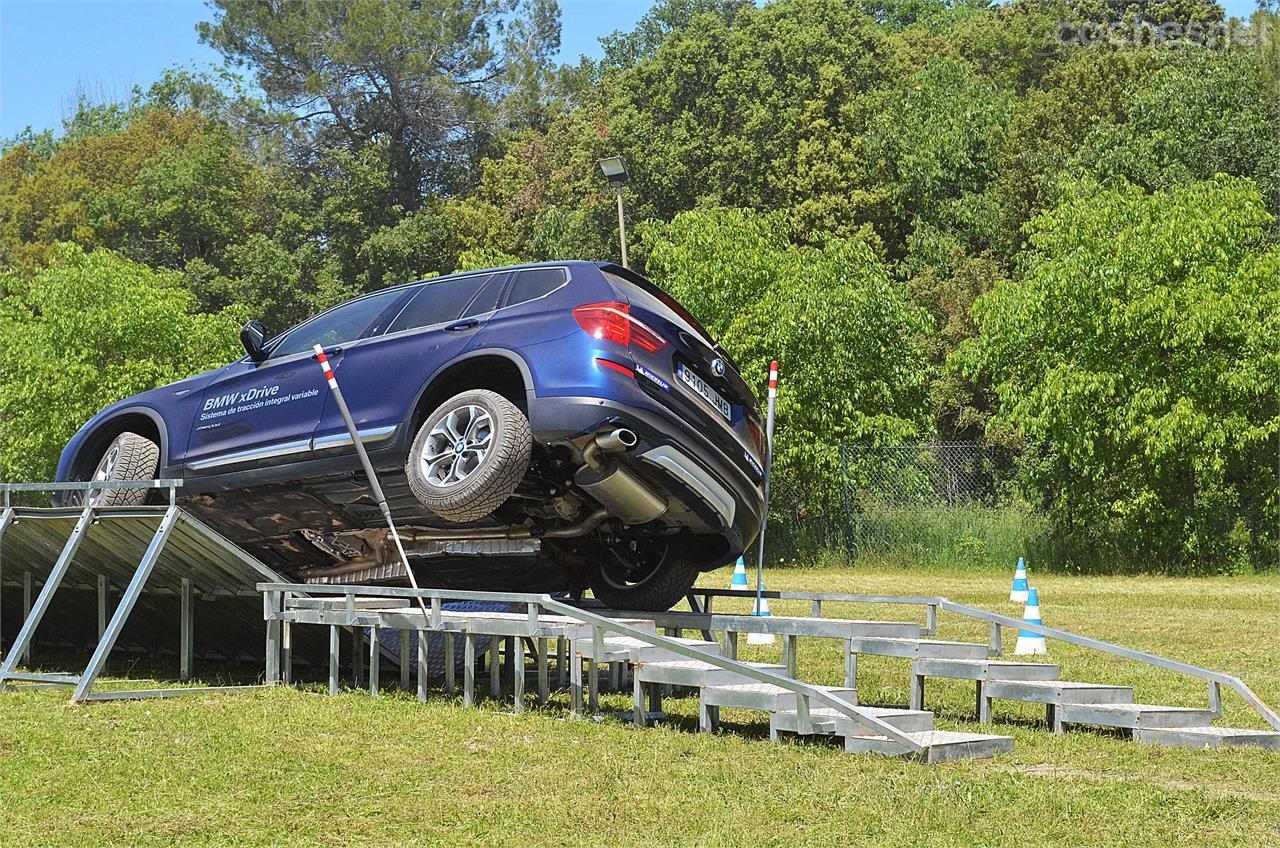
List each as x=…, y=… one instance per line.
x=86, y=331
x=429, y=77
x=830, y=182
x=1141, y=352
x=847, y=336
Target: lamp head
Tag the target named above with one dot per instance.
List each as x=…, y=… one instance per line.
x=614, y=170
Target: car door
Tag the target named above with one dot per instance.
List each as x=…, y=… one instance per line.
x=264, y=413
x=381, y=375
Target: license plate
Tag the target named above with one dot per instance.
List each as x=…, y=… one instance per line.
x=700, y=386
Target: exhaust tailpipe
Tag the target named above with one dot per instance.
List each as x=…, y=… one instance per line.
x=618, y=490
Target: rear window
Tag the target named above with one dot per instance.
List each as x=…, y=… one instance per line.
x=449, y=300
x=533, y=283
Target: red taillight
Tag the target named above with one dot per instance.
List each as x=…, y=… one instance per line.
x=613, y=322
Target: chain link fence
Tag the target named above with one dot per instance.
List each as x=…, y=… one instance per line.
x=935, y=503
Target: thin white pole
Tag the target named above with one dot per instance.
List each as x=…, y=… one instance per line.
x=368, y=472
x=768, y=467
x=622, y=227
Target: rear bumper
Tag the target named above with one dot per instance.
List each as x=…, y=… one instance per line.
x=669, y=449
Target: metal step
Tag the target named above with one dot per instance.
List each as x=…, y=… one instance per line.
x=825, y=720
x=764, y=696
x=631, y=649
x=694, y=673
x=919, y=648
x=984, y=669
x=1135, y=716
x=941, y=746
x=1058, y=692
x=1208, y=737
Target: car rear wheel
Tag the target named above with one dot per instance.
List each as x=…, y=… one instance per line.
x=128, y=457
x=641, y=575
x=469, y=456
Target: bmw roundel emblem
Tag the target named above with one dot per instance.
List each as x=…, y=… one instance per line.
x=717, y=367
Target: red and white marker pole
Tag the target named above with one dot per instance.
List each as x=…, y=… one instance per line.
x=368, y=470
x=768, y=466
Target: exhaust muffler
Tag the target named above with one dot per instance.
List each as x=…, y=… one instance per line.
x=618, y=490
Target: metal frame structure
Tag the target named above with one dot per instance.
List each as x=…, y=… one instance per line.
x=996, y=621
x=227, y=564
x=280, y=608
x=355, y=607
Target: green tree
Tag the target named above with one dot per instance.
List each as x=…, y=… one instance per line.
x=721, y=109
x=428, y=77
x=1205, y=113
x=846, y=334
x=933, y=150
x=1141, y=353
x=86, y=331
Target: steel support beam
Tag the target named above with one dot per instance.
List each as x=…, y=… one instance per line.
x=127, y=601
x=335, y=644
x=375, y=655
x=103, y=590
x=34, y=612
x=544, y=683
x=6, y=518
x=186, y=625
x=422, y=665
x=272, y=602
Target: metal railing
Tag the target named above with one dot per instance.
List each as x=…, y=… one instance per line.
x=86, y=486
x=817, y=599
x=806, y=693
x=1215, y=679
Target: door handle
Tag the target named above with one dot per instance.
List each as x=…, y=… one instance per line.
x=463, y=326
x=333, y=351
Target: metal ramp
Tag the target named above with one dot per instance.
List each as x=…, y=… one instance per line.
x=155, y=557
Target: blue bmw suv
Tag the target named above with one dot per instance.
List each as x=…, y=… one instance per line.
x=550, y=427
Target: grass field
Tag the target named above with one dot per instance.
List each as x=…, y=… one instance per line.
x=289, y=768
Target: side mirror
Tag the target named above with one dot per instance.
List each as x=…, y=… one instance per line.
x=252, y=336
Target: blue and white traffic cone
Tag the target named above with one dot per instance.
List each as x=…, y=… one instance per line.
x=739, y=576
x=1019, y=590
x=1028, y=642
x=760, y=607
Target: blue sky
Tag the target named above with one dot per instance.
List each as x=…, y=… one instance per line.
x=49, y=49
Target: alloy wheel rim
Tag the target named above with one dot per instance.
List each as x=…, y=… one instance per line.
x=457, y=446
x=104, y=472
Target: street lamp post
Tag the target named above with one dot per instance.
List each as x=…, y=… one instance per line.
x=615, y=171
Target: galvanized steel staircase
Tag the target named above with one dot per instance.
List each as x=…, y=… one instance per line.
x=654, y=667
x=1066, y=702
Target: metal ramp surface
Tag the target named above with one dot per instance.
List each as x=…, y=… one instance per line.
x=67, y=564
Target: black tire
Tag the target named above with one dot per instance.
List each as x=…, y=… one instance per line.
x=128, y=457
x=657, y=588
x=492, y=479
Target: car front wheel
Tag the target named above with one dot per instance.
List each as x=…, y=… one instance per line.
x=469, y=456
x=128, y=457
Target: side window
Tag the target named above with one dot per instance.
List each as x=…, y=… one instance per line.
x=343, y=323
x=449, y=300
x=533, y=283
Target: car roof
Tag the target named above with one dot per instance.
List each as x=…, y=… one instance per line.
x=565, y=263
